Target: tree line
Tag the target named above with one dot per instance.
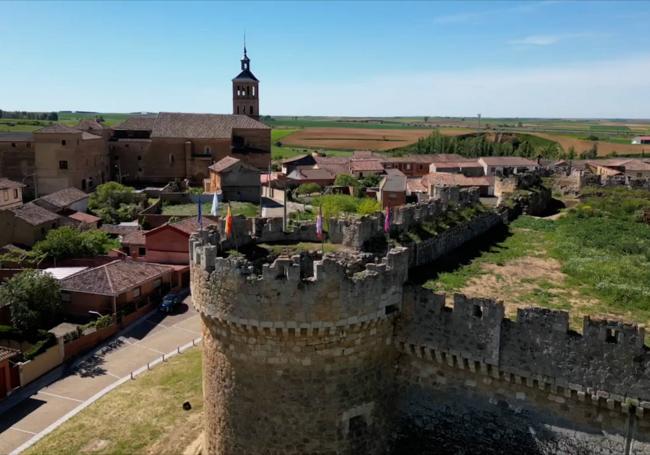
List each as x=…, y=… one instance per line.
x=476, y=146
x=52, y=116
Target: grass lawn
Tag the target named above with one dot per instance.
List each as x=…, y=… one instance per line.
x=593, y=261
x=248, y=209
x=302, y=246
x=143, y=416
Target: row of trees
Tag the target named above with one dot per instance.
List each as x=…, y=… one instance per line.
x=52, y=116
x=475, y=146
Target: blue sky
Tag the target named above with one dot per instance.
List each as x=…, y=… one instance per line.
x=542, y=59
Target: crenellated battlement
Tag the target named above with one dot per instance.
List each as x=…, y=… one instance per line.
x=607, y=364
x=302, y=291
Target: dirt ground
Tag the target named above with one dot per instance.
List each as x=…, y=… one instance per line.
x=533, y=281
x=354, y=138
x=604, y=148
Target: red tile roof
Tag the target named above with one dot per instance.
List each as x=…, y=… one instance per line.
x=507, y=161
x=134, y=237
x=84, y=217
x=224, y=163
x=366, y=165
x=114, y=278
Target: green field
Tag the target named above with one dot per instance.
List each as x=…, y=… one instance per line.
x=246, y=209
x=310, y=122
x=142, y=416
x=595, y=260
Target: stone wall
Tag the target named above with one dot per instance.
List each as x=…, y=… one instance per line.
x=337, y=354
x=297, y=360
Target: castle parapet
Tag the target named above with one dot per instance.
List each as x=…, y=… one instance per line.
x=297, y=292
x=609, y=361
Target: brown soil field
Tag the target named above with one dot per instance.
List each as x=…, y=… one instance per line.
x=604, y=148
x=354, y=138
x=533, y=281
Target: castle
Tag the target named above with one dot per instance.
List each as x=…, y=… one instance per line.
x=142, y=149
x=340, y=353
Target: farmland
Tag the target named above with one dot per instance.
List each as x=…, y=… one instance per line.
x=354, y=138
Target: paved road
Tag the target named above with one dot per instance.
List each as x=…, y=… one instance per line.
x=144, y=342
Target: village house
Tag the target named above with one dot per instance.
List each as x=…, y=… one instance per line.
x=506, y=165
x=392, y=189
x=418, y=165
x=485, y=184
x=360, y=168
x=110, y=288
x=169, y=244
x=235, y=180
x=469, y=168
x=17, y=159
x=65, y=200
x=630, y=168
x=67, y=157
x=134, y=243
x=289, y=164
x=11, y=194
x=27, y=224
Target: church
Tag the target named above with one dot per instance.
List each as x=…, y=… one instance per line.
x=169, y=145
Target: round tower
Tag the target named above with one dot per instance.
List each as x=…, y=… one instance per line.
x=297, y=358
x=245, y=91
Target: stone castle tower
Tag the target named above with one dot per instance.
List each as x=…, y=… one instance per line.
x=245, y=91
x=298, y=359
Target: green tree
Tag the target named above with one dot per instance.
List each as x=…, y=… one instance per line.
x=346, y=180
x=34, y=299
x=572, y=153
x=309, y=188
x=114, y=202
x=66, y=242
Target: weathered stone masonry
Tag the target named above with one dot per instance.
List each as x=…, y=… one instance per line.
x=341, y=356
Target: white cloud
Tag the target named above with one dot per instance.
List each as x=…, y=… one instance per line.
x=590, y=89
x=547, y=40
x=537, y=40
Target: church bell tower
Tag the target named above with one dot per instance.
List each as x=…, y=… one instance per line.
x=245, y=91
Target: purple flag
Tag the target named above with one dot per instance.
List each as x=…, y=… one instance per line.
x=319, y=224
x=387, y=220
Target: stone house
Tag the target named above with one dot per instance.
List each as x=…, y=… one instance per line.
x=392, y=189
x=485, y=184
x=630, y=168
x=17, y=159
x=67, y=157
x=27, y=224
x=64, y=200
x=506, y=165
x=321, y=176
x=417, y=165
x=289, y=164
x=366, y=167
x=115, y=286
x=11, y=194
x=469, y=168
x=235, y=180
x=177, y=146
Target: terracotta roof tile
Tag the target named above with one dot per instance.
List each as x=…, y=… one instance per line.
x=84, y=217
x=114, y=278
x=191, y=225
x=63, y=198
x=366, y=165
x=136, y=237
x=201, y=126
x=224, y=163
x=34, y=215
x=137, y=123
x=58, y=129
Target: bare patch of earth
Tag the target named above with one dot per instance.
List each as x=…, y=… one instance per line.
x=534, y=281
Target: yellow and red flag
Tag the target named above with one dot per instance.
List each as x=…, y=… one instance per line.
x=228, y=227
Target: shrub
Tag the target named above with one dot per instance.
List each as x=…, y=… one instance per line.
x=309, y=188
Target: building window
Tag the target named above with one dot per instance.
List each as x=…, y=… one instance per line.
x=63, y=164
x=251, y=110
x=6, y=194
x=139, y=169
x=253, y=91
x=83, y=184
x=139, y=158
x=29, y=145
x=238, y=109
x=611, y=336
x=171, y=159
x=15, y=194
x=13, y=144
x=207, y=150
x=136, y=292
x=63, y=142
x=126, y=146
x=142, y=251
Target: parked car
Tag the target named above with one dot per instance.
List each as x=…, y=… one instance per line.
x=173, y=299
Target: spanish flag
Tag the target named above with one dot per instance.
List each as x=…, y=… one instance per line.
x=228, y=227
